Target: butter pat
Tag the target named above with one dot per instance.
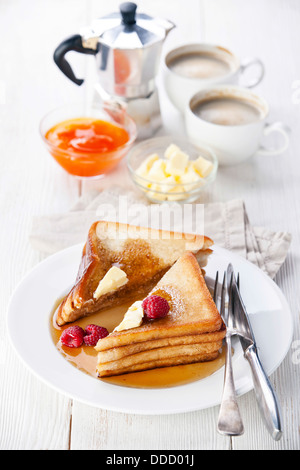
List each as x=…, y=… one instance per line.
x=177, y=163
x=170, y=183
x=113, y=280
x=191, y=178
x=157, y=171
x=132, y=318
x=143, y=169
x=146, y=165
x=171, y=150
x=203, y=166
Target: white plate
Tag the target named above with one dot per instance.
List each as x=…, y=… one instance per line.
x=28, y=326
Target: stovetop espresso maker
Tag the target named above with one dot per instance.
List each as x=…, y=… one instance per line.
x=127, y=48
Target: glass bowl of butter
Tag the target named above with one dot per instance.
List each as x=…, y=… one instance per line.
x=168, y=169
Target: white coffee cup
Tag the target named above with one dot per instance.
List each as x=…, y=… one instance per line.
x=181, y=88
x=233, y=143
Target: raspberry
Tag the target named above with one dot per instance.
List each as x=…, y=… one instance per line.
x=155, y=306
x=93, y=333
x=72, y=336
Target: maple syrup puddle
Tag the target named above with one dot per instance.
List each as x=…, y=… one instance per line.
x=85, y=357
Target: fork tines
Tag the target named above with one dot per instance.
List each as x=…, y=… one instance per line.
x=222, y=309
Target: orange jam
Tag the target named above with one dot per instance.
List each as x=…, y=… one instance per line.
x=86, y=146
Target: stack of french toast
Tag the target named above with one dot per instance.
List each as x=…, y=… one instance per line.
x=121, y=262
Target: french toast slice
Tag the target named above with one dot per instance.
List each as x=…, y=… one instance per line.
x=154, y=358
x=144, y=254
x=192, y=309
x=192, y=329
x=167, y=362
x=116, y=353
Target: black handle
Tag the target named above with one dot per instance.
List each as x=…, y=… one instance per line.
x=73, y=43
x=128, y=10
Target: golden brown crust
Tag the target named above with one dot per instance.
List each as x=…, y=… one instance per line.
x=151, y=233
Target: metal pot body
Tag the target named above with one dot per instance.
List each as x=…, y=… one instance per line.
x=128, y=73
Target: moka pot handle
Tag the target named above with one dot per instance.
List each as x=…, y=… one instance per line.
x=72, y=43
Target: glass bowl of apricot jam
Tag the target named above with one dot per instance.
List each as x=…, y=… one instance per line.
x=88, y=142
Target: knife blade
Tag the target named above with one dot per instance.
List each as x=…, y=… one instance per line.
x=265, y=395
x=241, y=318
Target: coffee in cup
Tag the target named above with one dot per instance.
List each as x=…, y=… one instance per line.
x=227, y=111
x=201, y=64
x=193, y=67
x=232, y=121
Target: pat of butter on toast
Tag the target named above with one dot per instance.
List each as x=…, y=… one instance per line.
x=132, y=318
x=113, y=280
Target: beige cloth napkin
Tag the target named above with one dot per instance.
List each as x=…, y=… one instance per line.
x=226, y=223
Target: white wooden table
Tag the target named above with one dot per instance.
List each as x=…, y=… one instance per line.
x=32, y=415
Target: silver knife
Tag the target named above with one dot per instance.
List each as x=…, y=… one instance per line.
x=266, y=397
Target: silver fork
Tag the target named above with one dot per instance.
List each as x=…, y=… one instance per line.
x=229, y=421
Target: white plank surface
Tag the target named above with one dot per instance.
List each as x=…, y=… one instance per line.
x=33, y=416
